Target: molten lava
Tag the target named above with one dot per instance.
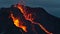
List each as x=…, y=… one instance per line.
x=29, y=17
x=15, y=20
x=18, y=23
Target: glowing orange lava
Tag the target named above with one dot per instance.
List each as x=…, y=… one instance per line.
x=15, y=20
x=18, y=23
x=29, y=17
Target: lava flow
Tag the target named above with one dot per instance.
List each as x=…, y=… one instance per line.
x=29, y=17
x=18, y=22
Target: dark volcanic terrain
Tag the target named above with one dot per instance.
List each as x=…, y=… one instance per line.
x=50, y=22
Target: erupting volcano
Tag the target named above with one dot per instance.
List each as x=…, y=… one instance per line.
x=29, y=17
x=27, y=20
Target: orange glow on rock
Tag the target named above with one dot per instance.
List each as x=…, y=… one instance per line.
x=24, y=28
x=22, y=9
x=24, y=12
x=18, y=23
x=15, y=20
x=29, y=17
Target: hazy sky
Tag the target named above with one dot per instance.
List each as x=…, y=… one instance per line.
x=51, y=6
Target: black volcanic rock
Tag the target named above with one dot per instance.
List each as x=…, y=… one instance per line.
x=50, y=22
